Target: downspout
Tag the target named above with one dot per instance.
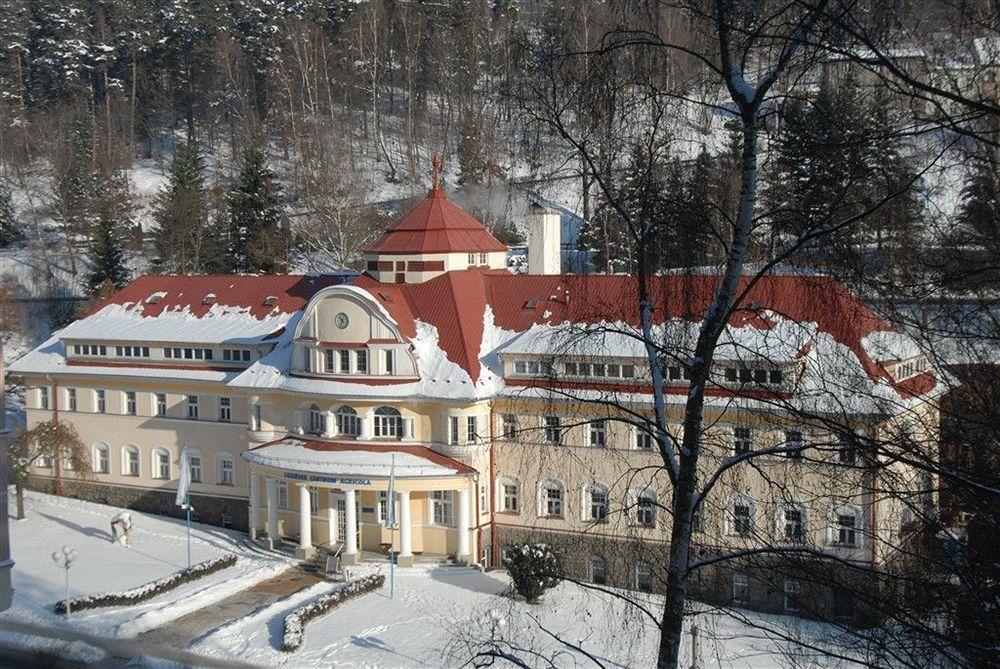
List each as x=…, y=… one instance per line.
x=57, y=465
x=494, y=545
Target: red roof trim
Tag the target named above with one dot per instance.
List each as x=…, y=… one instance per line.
x=339, y=446
x=141, y=365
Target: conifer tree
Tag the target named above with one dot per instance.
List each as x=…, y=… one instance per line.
x=107, y=255
x=257, y=240
x=182, y=239
x=76, y=184
x=9, y=230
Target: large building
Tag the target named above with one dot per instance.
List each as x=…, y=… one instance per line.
x=511, y=407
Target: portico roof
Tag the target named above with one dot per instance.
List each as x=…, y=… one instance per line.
x=348, y=458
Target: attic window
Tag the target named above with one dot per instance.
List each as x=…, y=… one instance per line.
x=385, y=297
x=270, y=300
x=209, y=299
x=155, y=297
x=531, y=304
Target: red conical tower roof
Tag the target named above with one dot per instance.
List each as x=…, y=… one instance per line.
x=436, y=225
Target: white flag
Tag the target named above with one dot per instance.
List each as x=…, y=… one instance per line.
x=390, y=507
x=184, y=482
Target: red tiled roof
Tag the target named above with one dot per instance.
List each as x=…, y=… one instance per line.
x=436, y=225
x=292, y=292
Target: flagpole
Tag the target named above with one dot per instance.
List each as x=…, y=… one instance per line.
x=187, y=502
x=183, y=498
x=391, y=509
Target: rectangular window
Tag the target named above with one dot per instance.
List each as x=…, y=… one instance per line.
x=628, y=371
x=643, y=577
x=390, y=362
x=345, y=361
x=569, y=368
x=795, y=444
x=597, y=571
x=441, y=502
x=794, y=530
x=452, y=429
x=508, y=425
x=194, y=466
x=314, y=501
x=511, y=503
x=101, y=401
x=328, y=360
x=162, y=465
x=483, y=500
x=599, y=370
x=361, y=362
x=742, y=520
x=847, y=530
x=553, y=429
x=282, y=495
x=71, y=399
x=643, y=440
x=847, y=454
x=791, y=595
x=598, y=505
x=553, y=502
x=520, y=367
x=584, y=369
x=472, y=258
x=742, y=440
x=132, y=462
x=225, y=410
x=103, y=461
x=227, y=473
x=614, y=370
x=741, y=589
x=161, y=404
x=777, y=377
x=472, y=428
x=482, y=258
x=192, y=405
x=645, y=512
x=130, y=406
x=598, y=434
x=43, y=397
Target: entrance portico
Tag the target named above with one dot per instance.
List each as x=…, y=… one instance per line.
x=335, y=494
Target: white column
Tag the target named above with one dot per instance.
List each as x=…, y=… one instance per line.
x=331, y=425
x=405, y=543
x=407, y=428
x=254, y=503
x=305, y=523
x=463, y=526
x=368, y=425
x=272, y=509
x=331, y=517
x=351, y=513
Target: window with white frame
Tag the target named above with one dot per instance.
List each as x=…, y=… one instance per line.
x=510, y=495
x=741, y=589
x=344, y=361
x=161, y=464
x=792, y=523
x=383, y=506
x=739, y=516
x=388, y=423
x=795, y=444
x=484, y=501
x=282, y=495
x=306, y=359
x=71, y=399
x=643, y=577
x=643, y=439
x=645, y=508
x=317, y=420
x=742, y=440
x=452, y=429
x=130, y=461
x=553, y=429
x=314, y=500
x=227, y=470
x=236, y=355
x=442, y=507
x=472, y=428
x=472, y=258
x=847, y=451
x=348, y=422
x=194, y=467
x=596, y=570
x=43, y=397
x=192, y=407
x=130, y=403
x=846, y=526
x=45, y=461
x=256, y=412
x=361, y=361
x=328, y=358
x=389, y=358
x=552, y=499
x=790, y=590
x=225, y=409
x=482, y=258
x=132, y=351
x=102, y=459
x=598, y=433
x=160, y=404
x=508, y=425
x=101, y=401
x=597, y=503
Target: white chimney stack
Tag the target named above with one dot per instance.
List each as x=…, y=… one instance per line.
x=544, y=240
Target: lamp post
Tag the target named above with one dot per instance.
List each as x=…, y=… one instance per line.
x=64, y=558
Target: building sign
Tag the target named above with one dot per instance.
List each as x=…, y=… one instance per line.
x=319, y=478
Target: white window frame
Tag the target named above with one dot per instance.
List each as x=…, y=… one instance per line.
x=157, y=461
x=472, y=429
x=44, y=400
x=225, y=409
x=315, y=420
x=587, y=497
x=442, y=511
x=639, y=519
x=550, y=423
x=193, y=407
x=131, y=466
x=71, y=399
x=740, y=589
x=160, y=408
x=593, y=560
x=598, y=433
x=730, y=524
x=508, y=425
x=790, y=591
x=544, y=501
x=638, y=570
x=781, y=523
x=359, y=366
x=453, y=430
x=742, y=443
x=347, y=417
x=640, y=435
x=388, y=425
x=197, y=471
x=220, y=461
x=99, y=449
x=503, y=496
x=313, y=500
x=130, y=403
x=100, y=400
x=283, y=496
x=833, y=531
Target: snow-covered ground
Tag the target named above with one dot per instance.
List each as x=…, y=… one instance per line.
x=437, y=614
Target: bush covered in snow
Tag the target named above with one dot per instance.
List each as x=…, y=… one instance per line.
x=148, y=590
x=533, y=568
x=295, y=622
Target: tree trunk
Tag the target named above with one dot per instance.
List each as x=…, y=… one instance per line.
x=19, y=489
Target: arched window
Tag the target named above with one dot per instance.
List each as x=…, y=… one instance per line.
x=790, y=522
x=161, y=464
x=130, y=460
x=551, y=499
x=195, y=465
x=508, y=495
x=846, y=526
x=645, y=508
x=226, y=469
x=596, y=570
x=643, y=577
x=388, y=422
x=596, y=502
x=102, y=459
x=317, y=420
x=740, y=516
x=348, y=423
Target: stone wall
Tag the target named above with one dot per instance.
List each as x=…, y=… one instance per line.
x=220, y=511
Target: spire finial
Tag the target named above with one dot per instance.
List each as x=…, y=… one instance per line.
x=436, y=171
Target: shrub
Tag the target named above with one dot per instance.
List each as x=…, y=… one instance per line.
x=533, y=568
x=295, y=622
x=149, y=590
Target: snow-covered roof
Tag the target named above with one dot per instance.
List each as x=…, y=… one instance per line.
x=354, y=459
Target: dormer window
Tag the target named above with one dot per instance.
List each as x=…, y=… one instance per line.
x=344, y=361
x=390, y=361
x=756, y=375
x=209, y=299
x=472, y=258
x=270, y=300
x=90, y=349
x=361, y=361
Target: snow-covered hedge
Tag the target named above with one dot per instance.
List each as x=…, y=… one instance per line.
x=148, y=590
x=533, y=568
x=295, y=622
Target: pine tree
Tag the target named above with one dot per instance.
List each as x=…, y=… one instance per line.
x=257, y=241
x=76, y=180
x=979, y=213
x=10, y=232
x=182, y=238
x=107, y=256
